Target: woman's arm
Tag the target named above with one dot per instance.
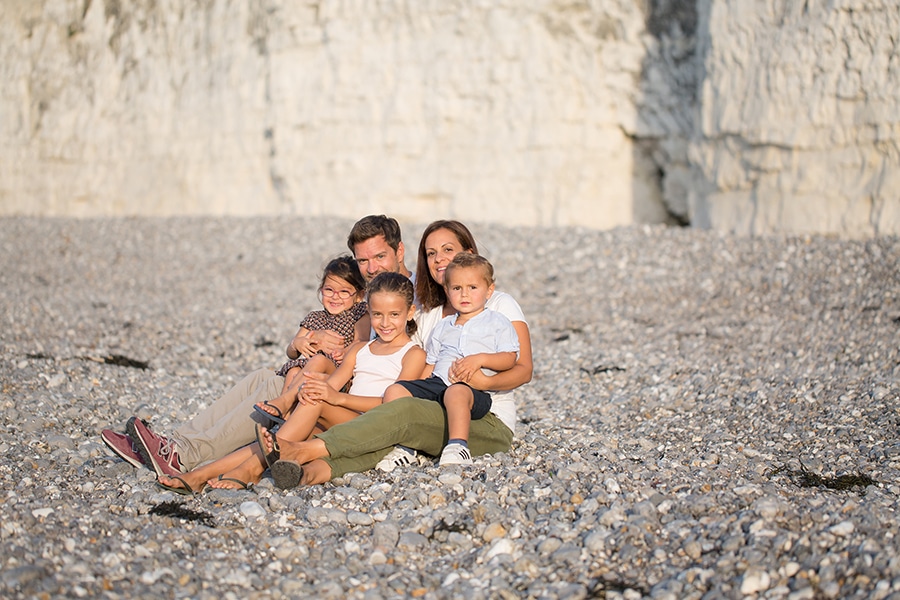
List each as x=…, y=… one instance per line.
x=495, y=361
x=520, y=374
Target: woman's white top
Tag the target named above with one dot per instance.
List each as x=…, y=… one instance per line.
x=373, y=373
x=504, y=402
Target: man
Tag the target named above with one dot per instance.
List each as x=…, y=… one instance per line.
x=376, y=243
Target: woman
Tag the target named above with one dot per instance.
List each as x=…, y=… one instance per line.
x=360, y=444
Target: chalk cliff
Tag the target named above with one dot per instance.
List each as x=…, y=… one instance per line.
x=740, y=116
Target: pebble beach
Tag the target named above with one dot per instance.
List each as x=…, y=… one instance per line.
x=710, y=416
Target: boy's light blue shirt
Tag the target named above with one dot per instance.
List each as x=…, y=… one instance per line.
x=488, y=331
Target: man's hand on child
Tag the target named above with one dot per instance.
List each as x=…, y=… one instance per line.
x=325, y=340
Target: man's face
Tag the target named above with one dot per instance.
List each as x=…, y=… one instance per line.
x=374, y=256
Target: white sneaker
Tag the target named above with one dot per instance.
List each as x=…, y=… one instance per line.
x=398, y=457
x=456, y=454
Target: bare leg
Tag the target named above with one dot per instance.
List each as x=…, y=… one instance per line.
x=289, y=378
x=301, y=423
x=331, y=416
x=458, y=400
x=285, y=402
x=249, y=471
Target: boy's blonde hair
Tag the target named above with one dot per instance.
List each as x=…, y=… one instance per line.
x=467, y=260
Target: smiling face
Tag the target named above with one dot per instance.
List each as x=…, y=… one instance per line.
x=441, y=246
x=375, y=256
x=389, y=313
x=337, y=295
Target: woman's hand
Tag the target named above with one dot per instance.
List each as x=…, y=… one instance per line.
x=477, y=380
x=512, y=378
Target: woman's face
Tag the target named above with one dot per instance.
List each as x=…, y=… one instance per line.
x=441, y=246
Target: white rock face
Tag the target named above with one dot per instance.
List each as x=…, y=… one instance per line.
x=799, y=126
x=721, y=114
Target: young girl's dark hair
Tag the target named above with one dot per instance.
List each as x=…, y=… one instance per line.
x=344, y=267
x=395, y=283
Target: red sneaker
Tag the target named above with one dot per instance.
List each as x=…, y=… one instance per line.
x=123, y=446
x=157, y=450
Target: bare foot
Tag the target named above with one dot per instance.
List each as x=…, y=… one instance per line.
x=299, y=452
x=238, y=478
x=278, y=407
x=223, y=482
x=315, y=472
x=182, y=482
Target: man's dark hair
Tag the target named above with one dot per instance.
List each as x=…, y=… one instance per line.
x=373, y=225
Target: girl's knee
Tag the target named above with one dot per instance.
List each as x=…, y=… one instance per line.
x=393, y=392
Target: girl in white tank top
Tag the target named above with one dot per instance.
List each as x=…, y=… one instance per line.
x=372, y=366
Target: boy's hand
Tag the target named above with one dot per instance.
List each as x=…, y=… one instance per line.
x=463, y=368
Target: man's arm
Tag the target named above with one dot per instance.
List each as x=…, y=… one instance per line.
x=325, y=340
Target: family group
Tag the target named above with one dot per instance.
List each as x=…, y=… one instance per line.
x=396, y=363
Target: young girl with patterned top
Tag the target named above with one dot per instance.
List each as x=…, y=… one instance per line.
x=345, y=312
x=372, y=366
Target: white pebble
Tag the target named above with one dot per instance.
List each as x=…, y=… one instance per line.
x=844, y=528
x=500, y=546
x=252, y=510
x=612, y=486
x=449, y=478
x=755, y=581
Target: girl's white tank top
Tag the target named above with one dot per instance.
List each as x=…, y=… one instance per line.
x=374, y=373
